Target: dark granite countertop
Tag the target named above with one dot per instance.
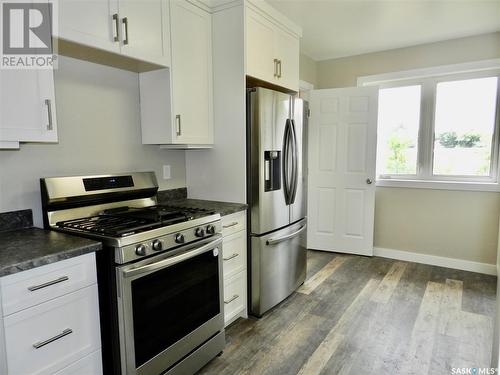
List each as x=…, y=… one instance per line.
x=28, y=248
x=224, y=208
x=178, y=198
x=23, y=247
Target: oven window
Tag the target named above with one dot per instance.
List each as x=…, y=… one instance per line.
x=170, y=303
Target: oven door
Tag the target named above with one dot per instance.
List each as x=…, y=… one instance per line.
x=168, y=305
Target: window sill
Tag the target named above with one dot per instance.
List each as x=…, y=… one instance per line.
x=439, y=185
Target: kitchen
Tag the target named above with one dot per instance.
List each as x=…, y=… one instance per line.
x=118, y=108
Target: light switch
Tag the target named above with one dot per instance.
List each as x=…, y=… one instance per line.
x=166, y=172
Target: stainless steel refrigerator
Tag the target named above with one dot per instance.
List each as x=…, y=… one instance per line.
x=276, y=197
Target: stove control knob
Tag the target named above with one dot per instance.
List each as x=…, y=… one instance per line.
x=179, y=238
x=200, y=232
x=157, y=245
x=140, y=250
x=210, y=229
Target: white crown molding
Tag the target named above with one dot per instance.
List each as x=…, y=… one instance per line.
x=433, y=260
x=268, y=11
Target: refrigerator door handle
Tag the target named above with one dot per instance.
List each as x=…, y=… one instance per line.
x=286, y=162
x=274, y=241
x=295, y=165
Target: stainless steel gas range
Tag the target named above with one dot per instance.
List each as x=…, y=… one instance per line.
x=159, y=274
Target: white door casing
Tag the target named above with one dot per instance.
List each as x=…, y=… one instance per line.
x=341, y=183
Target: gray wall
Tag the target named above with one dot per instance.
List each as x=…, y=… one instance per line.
x=455, y=224
x=99, y=132
x=308, y=69
x=344, y=72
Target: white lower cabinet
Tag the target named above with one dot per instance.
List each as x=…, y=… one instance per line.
x=234, y=266
x=89, y=365
x=55, y=328
x=235, y=297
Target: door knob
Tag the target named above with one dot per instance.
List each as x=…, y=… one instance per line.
x=369, y=181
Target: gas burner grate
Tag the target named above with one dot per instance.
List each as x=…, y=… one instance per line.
x=115, y=226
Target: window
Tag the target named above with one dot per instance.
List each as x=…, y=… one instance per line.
x=398, y=125
x=464, y=125
x=438, y=128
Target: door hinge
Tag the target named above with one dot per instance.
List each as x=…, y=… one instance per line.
x=308, y=112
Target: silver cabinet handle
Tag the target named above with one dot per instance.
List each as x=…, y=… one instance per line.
x=230, y=225
x=276, y=68
x=232, y=256
x=231, y=299
x=274, y=241
x=125, y=23
x=369, y=181
x=48, y=103
x=116, y=38
x=40, y=344
x=279, y=68
x=48, y=283
x=178, y=130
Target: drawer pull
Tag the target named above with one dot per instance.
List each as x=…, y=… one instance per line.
x=231, y=256
x=231, y=299
x=48, y=283
x=40, y=344
x=230, y=225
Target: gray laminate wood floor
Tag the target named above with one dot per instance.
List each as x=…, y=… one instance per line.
x=360, y=315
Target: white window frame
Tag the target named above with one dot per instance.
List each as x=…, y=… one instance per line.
x=428, y=78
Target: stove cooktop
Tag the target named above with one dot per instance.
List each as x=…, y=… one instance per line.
x=126, y=221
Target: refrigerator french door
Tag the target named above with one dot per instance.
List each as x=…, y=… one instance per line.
x=277, y=222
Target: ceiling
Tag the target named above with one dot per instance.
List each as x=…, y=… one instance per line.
x=339, y=28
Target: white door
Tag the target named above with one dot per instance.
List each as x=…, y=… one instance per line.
x=27, y=106
x=342, y=151
x=93, y=23
x=191, y=30
x=144, y=27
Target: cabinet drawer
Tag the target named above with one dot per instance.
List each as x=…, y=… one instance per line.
x=234, y=253
x=235, y=295
x=30, y=288
x=49, y=337
x=90, y=365
x=234, y=223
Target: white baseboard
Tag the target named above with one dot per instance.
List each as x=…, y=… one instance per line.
x=433, y=260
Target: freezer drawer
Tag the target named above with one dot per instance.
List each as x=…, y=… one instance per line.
x=277, y=267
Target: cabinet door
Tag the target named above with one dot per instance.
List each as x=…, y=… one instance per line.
x=90, y=22
x=191, y=74
x=27, y=106
x=260, y=55
x=286, y=48
x=144, y=28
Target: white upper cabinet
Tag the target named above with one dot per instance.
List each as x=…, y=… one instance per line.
x=134, y=28
x=145, y=30
x=260, y=53
x=272, y=48
x=192, y=106
x=93, y=23
x=287, y=53
x=27, y=106
x=177, y=103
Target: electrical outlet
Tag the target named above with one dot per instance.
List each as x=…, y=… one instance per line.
x=166, y=172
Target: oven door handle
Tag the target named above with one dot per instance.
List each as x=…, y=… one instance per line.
x=166, y=261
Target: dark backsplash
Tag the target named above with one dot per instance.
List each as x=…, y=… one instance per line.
x=164, y=196
x=16, y=220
